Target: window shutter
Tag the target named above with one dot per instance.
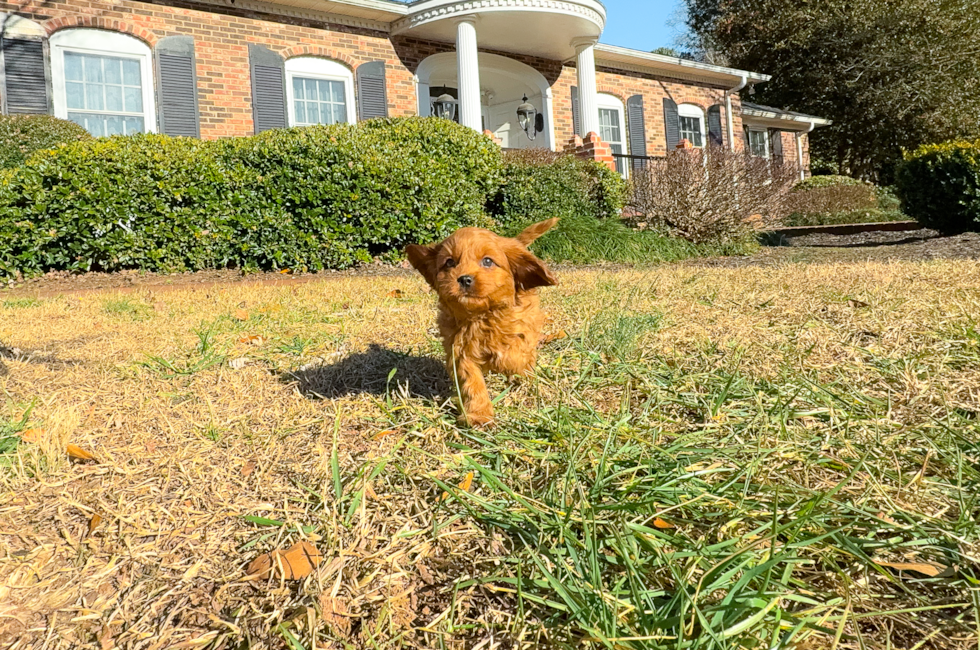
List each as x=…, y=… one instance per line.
x=372, y=91
x=715, y=135
x=576, y=112
x=176, y=72
x=25, y=75
x=637, y=129
x=775, y=143
x=672, y=126
x=268, y=88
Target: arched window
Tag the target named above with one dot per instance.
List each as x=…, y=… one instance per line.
x=319, y=91
x=691, y=121
x=102, y=81
x=612, y=127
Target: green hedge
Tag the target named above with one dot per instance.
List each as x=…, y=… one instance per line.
x=830, y=180
x=939, y=185
x=309, y=198
x=539, y=184
x=22, y=135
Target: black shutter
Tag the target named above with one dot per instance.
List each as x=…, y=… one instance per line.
x=715, y=136
x=268, y=88
x=177, y=76
x=576, y=112
x=672, y=126
x=637, y=129
x=25, y=76
x=372, y=91
x=776, y=144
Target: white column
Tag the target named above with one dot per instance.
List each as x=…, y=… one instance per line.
x=588, y=100
x=547, y=106
x=468, y=68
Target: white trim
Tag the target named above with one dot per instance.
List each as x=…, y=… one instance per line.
x=101, y=42
x=611, y=102
x=422, y=13
x=616, y=56
x=315, y=67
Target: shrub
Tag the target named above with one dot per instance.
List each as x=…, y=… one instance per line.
x=22, y=135
x=832, y=180
x=939, y=185
x=316, y=197
x=539, y=184
x=812, y=198
x=709, y=195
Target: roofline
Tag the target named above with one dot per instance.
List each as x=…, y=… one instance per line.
x=784, y=116
x=674, y=66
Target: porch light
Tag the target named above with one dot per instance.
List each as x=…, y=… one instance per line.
x=445, y=106
x=526, y=117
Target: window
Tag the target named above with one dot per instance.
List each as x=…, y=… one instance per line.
x=319, y=91
x=612, y=128
x=691, y=122
x=758, y=143
x=102, y=81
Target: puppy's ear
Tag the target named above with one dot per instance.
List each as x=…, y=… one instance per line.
x=528, y=271
x=423, y=258
x=532, y=232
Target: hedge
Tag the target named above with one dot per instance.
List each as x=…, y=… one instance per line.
x=539, y=184
x=307, y=198
x=939, y=185
x=22, y=135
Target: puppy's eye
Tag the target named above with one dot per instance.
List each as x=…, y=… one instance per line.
x=450, y=263
x=487, y=262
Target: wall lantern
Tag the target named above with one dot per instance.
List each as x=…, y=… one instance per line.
x=530, y=120
x=445, y=106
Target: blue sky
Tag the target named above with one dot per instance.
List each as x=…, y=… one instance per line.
x=642, y=24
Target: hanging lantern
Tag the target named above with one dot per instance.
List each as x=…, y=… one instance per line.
x=527, y=118
x=445, y=106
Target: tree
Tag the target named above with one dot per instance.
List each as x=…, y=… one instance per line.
x=891, y=74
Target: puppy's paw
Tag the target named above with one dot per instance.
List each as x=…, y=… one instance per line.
x=477, y=420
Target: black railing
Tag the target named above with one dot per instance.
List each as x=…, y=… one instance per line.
x=624, y=161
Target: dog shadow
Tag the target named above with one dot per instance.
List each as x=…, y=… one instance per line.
x=376, y=371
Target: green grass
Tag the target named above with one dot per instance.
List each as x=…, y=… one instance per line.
x=127, y=308
x=591, y=241
x=21, y=303
x=10, y=436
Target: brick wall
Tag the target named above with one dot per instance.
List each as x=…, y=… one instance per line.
x=222, y=35
x=221, y=48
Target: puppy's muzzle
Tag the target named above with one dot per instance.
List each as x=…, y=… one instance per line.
x=465, y=281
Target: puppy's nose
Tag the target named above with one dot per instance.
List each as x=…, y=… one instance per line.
x=465, y=281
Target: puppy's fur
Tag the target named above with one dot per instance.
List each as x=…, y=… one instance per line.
x=490, y=316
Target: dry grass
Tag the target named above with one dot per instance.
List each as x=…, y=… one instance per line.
x=756, y=436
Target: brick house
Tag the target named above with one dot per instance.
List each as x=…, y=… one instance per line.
x=218, y=68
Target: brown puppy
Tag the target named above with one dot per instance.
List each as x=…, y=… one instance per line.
x=490, y=317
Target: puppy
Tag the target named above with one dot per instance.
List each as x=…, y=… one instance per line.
x=490, y=317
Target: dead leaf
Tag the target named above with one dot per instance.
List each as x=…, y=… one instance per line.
x=295, y=563
x=249, y=468
x=31, y=435
x=252, y=339
x=928, y=569
x=857, y=304
x=557, y=336
x=662, y=525
x=285, y=272
x=384, y=434
x=77, y=453
x=241, y=314
x=93, y=523
x=425, y=574
x=467, y=482
x=395, y=293
x=334, y=613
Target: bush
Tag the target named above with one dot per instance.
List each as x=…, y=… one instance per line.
x=939, y=186
x=819, y=182
x=709, y=195
x=22, y=135
x=539, y=184
x=822, y=200
x=310, y=198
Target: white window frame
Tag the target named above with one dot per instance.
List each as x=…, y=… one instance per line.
x=315, y=67
x=695, y=111
x=101, y=43
x=765, y=138
x=611, y=102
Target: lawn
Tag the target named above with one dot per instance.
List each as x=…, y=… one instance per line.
x=712, y=458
